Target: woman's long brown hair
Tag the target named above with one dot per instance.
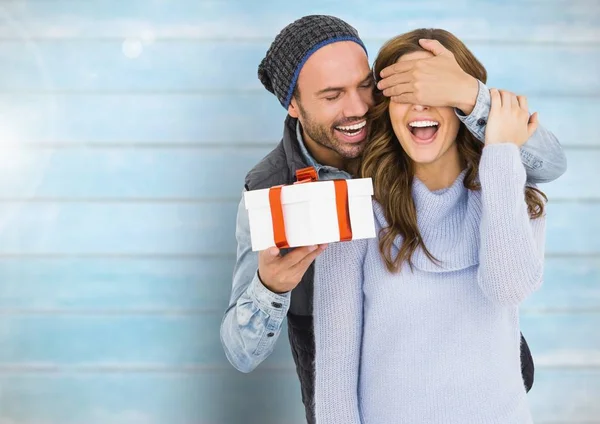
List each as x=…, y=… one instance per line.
x=391, y=168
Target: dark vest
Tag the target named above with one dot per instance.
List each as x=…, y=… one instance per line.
x=279, y=167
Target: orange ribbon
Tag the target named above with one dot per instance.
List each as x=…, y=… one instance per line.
x=277, y=217
x=307, y=175
x=343, y=211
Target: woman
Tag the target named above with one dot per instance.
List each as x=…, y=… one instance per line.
x=421, y=325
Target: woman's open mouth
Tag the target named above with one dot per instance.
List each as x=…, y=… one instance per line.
x=423, y=132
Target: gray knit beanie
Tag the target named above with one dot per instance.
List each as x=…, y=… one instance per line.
x=292, y=47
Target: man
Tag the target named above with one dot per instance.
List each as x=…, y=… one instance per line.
x=318, y=69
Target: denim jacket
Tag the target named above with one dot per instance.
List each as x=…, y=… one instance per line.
x=254, y=317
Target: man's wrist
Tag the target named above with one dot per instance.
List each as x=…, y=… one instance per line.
x=270, y=302
x=467, y=95
x=267, y=286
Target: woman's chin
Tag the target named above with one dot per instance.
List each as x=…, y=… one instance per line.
x=424, y=159
x=423, y=156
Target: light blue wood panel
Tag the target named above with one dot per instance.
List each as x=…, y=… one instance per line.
x=199, y=228
x=229, y=66
x=200, y=173
x=134, y=118
x=188, y=173
x=112, y=340
x=116, y=284
x=476, y=19
x=572, y=228
x=118, y=228
x=565, y=396
x=559, y=397
x=212, y=397
x=570, y=119
x=563, y=339
x=144, y=340
x=578, y=182
x=159, y=284
x=240, y=118
x=569, y=284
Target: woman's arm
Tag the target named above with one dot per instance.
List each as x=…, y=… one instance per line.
x=512, y=245
x=338, y=318
x=542, y=153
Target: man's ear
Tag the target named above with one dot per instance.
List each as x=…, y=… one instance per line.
x=293, y=109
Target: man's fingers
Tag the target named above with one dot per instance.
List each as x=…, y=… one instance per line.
x=393, y=80
x=301, y=267
x=397, y=68
x=434, y=46
x=297, y=255
x=270, y=255
x=408, y=98
x=398, y=90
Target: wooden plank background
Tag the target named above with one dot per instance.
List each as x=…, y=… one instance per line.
x=126, y=128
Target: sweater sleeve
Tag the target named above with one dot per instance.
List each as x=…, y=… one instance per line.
x=338, y=312
x=511, y=262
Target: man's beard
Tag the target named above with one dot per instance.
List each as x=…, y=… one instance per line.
x=325, y=135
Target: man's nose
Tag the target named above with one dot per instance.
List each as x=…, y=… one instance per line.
x=356, y=106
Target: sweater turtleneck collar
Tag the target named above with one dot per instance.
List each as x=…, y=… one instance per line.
x=448, y=222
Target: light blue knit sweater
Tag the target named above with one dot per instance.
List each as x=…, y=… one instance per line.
x=437, y=345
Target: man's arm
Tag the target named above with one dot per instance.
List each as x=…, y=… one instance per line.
x=253, y=319
x=542, y=154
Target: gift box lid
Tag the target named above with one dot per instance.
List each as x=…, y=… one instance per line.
x=304, y=192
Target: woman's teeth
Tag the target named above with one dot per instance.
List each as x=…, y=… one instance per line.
x=421, y=124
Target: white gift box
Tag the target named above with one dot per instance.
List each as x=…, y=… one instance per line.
x=312, y=213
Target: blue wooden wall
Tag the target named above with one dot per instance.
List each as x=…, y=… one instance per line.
x=126, y=127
